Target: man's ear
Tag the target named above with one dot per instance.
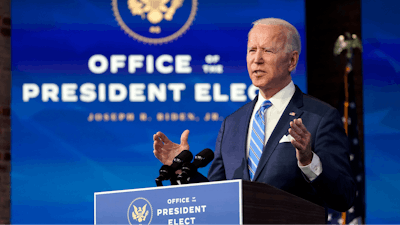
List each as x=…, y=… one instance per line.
x=294, y=59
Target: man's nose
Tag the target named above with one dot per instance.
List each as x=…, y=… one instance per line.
x=259, y=57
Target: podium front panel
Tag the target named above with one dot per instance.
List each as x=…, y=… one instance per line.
x=213, y=202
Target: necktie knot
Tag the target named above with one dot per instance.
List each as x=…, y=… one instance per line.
x=266, y=104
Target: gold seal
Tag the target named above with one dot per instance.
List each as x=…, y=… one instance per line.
x=138, y=212
x=154, y=11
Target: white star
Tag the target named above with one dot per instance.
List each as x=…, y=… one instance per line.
x=356, y=221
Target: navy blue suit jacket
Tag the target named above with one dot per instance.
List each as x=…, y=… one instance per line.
x=333, y=188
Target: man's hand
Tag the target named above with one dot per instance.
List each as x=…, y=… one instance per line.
x=301, y=141
x=165, y=150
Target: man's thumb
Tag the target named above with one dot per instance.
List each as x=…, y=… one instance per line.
x=184, y=138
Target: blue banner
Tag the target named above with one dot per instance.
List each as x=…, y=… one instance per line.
x=92, y=81
x=381, y=90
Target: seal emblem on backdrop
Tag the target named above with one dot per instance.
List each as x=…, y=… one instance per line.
x=154, y=21
x=140, y=211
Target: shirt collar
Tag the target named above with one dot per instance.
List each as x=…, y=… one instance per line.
x=281, y=99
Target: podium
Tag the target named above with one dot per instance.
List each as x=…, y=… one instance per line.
x=221, y=202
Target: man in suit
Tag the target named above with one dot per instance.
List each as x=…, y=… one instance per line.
x=283, y=137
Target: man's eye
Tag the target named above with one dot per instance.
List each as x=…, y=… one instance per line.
x=252, y=50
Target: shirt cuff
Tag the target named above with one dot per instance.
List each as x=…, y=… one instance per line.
x=312, y=170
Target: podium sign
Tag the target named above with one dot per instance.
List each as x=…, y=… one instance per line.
x=217, y=202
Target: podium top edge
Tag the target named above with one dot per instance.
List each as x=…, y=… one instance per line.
x=239, y=181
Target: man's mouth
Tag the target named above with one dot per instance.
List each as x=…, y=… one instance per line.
x=258, y=72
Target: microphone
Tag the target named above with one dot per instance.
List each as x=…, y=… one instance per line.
x=202, y=159
x=166, y=173
x=188, y=169
x=184, y=156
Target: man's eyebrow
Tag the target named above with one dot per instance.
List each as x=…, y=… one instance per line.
x=263, y=48
x=269, y=48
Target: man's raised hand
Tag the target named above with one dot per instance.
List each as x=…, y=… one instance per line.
x=165, y=150
x=301, y=141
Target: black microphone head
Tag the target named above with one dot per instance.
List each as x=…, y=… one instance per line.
x=187, y=172
x=165, y=169
x=184, y=156
x=165, y=172
x=188, y=168
x=203, y=158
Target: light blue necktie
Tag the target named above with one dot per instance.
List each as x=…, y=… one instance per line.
x=257, y=138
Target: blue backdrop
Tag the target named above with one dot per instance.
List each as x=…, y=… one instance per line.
x=82, y=126
x=381, y=70
x=60, y=158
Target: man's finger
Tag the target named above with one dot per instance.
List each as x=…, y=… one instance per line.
x=305, y=134
x=157, y=154
x=297, y=145
x=296, y=128
x=156, y=137
x=162, y=158
x=301, y=125
x=158, y=142
x=157, y=145
x=299, y=121
x=162, y=137
x=184, y=138
x=294, y=134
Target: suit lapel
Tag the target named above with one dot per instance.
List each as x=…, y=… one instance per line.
x=243, y=140
x=281, y=129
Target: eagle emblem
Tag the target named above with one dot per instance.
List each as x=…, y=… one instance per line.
x=347, y=42
x=154, y=14
x=154, y=10
x=140, y=213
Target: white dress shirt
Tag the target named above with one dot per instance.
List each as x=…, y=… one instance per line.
x=279, y=103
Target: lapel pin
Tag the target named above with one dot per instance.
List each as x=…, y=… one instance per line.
x=292, y=114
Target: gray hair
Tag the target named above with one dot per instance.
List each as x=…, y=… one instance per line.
x=292, y=35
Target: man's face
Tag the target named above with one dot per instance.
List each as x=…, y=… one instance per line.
x=267, y=61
